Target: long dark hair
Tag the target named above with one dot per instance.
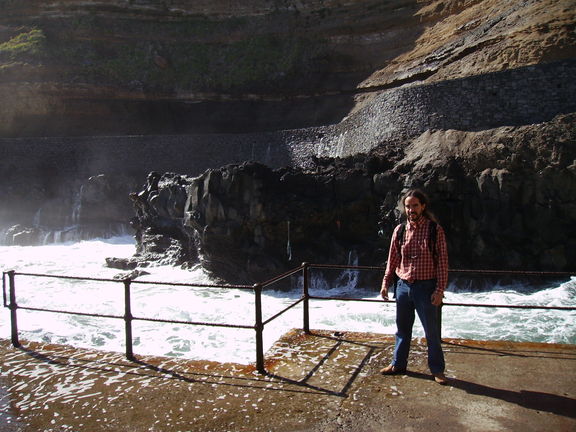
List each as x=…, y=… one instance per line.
x=423, y=198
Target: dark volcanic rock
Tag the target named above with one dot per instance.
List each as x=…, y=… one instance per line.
x=99, y=203
x=19, y=235
x=252, y=222
x=506, y=198
x=122, y=263
x=50, y=211
x=130, y=275
x=160, y=233
x=248, y=222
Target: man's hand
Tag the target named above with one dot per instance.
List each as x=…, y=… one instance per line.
x=384, y=293
x=437, y=298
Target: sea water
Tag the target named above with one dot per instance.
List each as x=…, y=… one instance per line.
x=234, y=306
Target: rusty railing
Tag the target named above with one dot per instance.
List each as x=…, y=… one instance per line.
x=10, y=301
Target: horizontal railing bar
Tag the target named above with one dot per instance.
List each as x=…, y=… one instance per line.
x=568, y=308
x=515, y=272
x=282, y=311
x=291, y=272
x=349, y=299
x=67, y=277
x=281, y=276
x=70, y=312
x=134, y=318
x=247, y=287
x=512, y=272
x=344, y=266
x=193, y=323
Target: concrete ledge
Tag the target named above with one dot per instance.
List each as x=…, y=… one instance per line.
x=325, y=381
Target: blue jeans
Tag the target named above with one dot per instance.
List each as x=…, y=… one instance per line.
x=412, y=297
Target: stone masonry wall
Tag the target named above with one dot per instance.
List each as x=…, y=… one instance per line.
x=533, y=94
x=523, y=96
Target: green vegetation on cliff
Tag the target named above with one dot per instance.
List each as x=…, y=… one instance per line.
x=25, y=47
x=193, y=54
x=147, y=66
x=253, y=63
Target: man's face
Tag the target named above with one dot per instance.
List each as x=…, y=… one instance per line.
x=413, y=208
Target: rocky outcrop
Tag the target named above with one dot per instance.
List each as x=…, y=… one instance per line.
x=472, y=37
x=506, y=198
x=68, y=211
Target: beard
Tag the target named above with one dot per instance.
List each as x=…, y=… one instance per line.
x=414, y=217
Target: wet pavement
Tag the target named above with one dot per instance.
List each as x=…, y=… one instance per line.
x=324, y=381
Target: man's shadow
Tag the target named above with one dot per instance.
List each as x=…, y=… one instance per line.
x=539, y=401
x=552, y=403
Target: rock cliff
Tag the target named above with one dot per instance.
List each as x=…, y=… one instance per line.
x=505, y=196
x=290, y=128
x=103, y=67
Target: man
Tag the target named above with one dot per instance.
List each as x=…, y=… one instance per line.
x=418, y=260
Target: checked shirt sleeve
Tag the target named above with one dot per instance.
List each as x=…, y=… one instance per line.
x=394, y=258
x=442, y=265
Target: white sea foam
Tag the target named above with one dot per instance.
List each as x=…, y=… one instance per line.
x=233, y=306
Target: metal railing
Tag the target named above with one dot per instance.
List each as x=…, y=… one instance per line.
x=11, y=303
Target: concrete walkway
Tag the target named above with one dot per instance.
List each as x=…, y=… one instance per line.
x=325, y=381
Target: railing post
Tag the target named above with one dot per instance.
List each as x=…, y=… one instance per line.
x=439, y=319
x=259, y=327
x=5, y=301
x=306, y=297
x=13, y=308
x=128, y=320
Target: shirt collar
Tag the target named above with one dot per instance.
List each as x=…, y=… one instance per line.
x=419, y=223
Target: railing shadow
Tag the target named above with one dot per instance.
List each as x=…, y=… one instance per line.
x=246, y=382
x=139, y=368
x=353, y=375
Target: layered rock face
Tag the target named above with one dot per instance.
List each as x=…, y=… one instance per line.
x=103, y=67
x=506, y=198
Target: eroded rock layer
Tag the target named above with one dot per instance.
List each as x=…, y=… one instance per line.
x=172, y=67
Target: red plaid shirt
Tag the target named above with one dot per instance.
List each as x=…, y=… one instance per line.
x=416, y=261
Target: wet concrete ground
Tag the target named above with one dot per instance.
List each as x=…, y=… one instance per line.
x=325, y=381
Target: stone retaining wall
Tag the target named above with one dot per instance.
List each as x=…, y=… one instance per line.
x=522, y=96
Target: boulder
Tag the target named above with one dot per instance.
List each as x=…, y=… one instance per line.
x=19, y=235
